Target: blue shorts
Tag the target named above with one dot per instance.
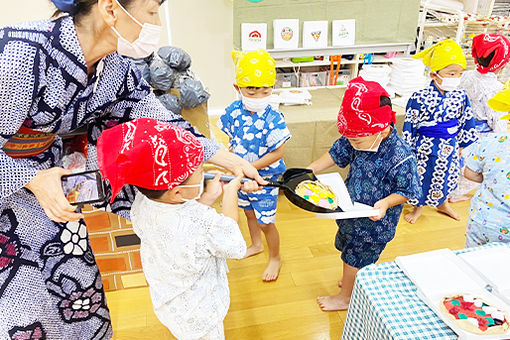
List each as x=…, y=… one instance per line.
x=262, y=202
x=355, y=251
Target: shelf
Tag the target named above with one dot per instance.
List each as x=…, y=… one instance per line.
x=311, y=88
x=377, y=60
x=343, y=50
x=441, y=24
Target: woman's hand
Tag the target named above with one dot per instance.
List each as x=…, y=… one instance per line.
x=47, y=188
x=236, y=164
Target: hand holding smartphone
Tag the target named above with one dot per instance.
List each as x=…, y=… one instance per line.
x=84, y=188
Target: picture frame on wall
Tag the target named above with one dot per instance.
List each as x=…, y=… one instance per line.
x=315, y=34
x=286, y=33
x=253, y=36
x=343, y=32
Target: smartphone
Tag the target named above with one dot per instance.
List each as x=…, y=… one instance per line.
x=84, y=187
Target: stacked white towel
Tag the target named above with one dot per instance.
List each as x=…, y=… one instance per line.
x=407, y=76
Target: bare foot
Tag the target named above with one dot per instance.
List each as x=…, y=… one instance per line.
x=333, y=303
x=272, y=270
x=254, y=250
x=340, y=283
x=446, y=209
x=459, y=199
x=413, y=216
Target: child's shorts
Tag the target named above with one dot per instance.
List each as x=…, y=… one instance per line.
x=356, y=252
x=262, y=202
x=478, y=234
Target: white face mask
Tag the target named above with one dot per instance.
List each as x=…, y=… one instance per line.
x=371, y=148
x=200, y=192
x=255, y=104
x=448, y=84
x=144, y=45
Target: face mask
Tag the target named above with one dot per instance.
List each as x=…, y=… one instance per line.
x=255, y=104
x=371, y=148
x=144, y=45
x=448, y=84
x=200, y=192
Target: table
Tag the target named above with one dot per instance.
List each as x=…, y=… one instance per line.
x=385, y=305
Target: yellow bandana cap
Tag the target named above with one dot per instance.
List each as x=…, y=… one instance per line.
x=501, y=101
x=442, y=54
x=254, y=69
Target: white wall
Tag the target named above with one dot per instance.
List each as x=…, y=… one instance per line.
x=201, y=27
x=204, y=28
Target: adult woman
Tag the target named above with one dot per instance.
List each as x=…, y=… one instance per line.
x=55, y=77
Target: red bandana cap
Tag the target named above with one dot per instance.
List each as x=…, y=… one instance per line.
x=149, y=154
x=361, y=113
x=484, y=45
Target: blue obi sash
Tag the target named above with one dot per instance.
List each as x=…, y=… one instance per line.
x=482, y=126
x=448, y=129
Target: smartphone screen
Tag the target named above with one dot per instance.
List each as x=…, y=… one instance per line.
x=83, y=188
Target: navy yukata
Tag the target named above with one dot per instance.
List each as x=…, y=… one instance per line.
x=50, y=286
x=372, y=177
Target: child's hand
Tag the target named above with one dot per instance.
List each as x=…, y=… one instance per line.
x=213, y=190
x=234, y=185
x=250, y=186
x=383, y=206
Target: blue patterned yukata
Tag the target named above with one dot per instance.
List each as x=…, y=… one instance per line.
x=436, y=126
x=253, y=136
x=489, y=213
x=50, y=286
x=372, y=177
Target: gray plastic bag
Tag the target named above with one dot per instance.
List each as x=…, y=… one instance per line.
x=175, y=57
x=192, y=93
x=171, y=103
x=160, y=75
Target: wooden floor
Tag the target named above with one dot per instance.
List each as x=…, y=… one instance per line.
x=286, y=309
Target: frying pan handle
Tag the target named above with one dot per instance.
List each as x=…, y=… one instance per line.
x=275, y=184
x=224, y=178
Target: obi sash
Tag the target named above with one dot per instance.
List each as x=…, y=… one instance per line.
x=448, y=129
x=27, y=143
x=482, y=126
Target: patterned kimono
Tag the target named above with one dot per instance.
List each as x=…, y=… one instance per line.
x=50, y=286
x=436, y=126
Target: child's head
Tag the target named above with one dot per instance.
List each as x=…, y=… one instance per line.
x=154, y=156
x=255, y=78
x=447, y=63
x=491, y=52
x=365, y=114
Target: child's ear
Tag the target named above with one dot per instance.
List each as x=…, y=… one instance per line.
x=174, y=195
x=236, y=87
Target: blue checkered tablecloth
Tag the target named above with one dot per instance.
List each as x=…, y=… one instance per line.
x=385, y=305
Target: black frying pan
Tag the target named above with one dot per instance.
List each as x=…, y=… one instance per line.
x=288, y=182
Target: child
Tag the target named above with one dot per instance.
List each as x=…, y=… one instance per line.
x=439, y=122
x=491, y=53
x=488, y=164
x=382, y=174
x=184, y=242
x=258, y=134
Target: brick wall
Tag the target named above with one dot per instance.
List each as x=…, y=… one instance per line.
x=117, y=250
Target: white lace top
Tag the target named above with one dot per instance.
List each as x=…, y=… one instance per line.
x=183, y=251
x=480, y=88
